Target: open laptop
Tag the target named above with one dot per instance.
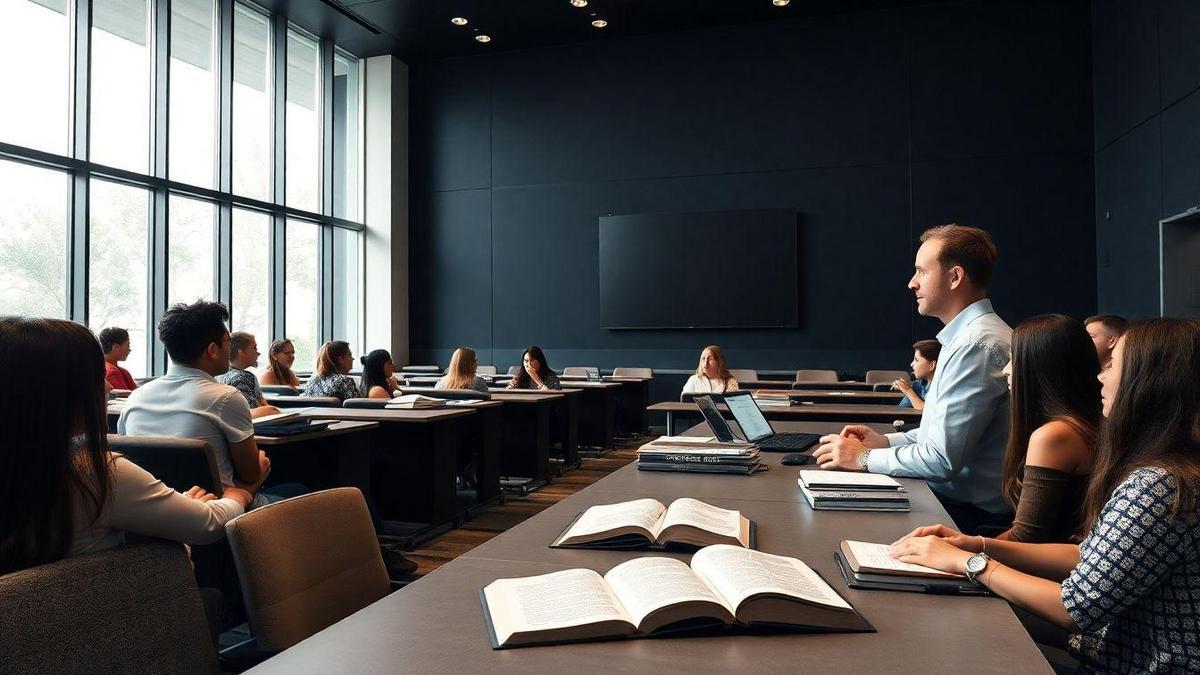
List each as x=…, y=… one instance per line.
x=758, y=430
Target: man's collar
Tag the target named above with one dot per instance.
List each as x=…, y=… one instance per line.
x=177, y=370
x=970, y=313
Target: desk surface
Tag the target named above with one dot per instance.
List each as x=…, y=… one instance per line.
x=436, y=623
x=815, y=410
x=526, y=396
x=882, y=397
x=335, y=429
x=387, y=415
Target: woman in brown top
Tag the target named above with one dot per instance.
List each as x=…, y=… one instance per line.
x=1054, y=414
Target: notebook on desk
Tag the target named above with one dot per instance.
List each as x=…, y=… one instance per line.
x=870, y=566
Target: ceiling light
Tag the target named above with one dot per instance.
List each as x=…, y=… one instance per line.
x=780, y=3
x=483, y=38
x=599, y=23
x=458, y=21
x=579, y=3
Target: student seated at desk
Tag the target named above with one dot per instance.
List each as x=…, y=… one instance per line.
x=280, y=357
x=62, y=491
x=244, y=354
x=1052, y=430
x=924, y=363
x=712, y=375
x=461, y=372
x=535, y=373
x=332, y=378
x=379, y=375
x=115, y=343
x=188, y=402
x=1126, y=594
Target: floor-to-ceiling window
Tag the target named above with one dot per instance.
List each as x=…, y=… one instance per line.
x=164, y=151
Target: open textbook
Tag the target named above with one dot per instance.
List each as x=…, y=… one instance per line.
x=724, y=586
x=646, y=523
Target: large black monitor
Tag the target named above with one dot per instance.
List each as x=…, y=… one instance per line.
x=723, y=269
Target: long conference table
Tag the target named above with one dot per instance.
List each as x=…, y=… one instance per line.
x=436, y=624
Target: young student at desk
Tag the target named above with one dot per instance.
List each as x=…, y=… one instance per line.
x=62, y=491
x=535, y=373
x=924, y=366
x=281, y=355
x=332, y=374
x=244, y=354
x=188, y=402
x=1127, y=593
x=1052, y=430
x=379, y=375
x=712, y=375
x=115, y=343
x=461, y=372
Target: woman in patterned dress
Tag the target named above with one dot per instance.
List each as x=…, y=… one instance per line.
x=334, y=362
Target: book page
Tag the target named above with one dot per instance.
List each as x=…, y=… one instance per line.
x=738, y=573
x=557, y=600
x=686, y=511
x=879, y=557
x=644, y=585
x=642, y=513
x=816, y=478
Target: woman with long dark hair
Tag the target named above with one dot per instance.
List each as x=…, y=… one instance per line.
x=379, y=375
x=1127, y=592
x=62, y=491
x=535, y=372
x=281, y=355
x=1053, y=417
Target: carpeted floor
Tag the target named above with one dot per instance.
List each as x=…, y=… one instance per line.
x=496, y=519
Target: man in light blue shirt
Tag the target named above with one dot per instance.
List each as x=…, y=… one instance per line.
x=959, y=447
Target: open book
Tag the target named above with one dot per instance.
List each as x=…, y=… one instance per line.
x=725, y=585
x=415, y=402
x=646, y=523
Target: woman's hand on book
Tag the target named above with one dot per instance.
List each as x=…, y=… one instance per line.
x=931, y=551
x=951, y=535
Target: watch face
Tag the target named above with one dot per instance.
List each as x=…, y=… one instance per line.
x=976, y=564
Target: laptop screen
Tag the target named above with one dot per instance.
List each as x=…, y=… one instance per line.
x=712, y=415
x=749, y=417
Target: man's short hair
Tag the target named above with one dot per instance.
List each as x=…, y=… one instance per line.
x=187, y=330
x=1114, y=324
x=239, y=341
x=111, y=337
x=968, y=247
x=928, y=349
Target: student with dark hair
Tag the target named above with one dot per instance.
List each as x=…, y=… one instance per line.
x=63, y=492
x=332, y=378
x=188, y=402
x=1104, y=330
x=959, y=447
x=923, y=366
x=281, y=355
x=1127, y=593
x=535, y=373
x=460, y=374
x=243, y=354
x=115, y=343
x=1055, y=412
x=379, y=375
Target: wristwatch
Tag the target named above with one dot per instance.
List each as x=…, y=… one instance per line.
x=976, y=564
x=862, y=460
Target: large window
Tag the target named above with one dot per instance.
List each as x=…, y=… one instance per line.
x=140, y=169
x=119, y=218
x=35, y=74
x=33, y=248
x=120, y=102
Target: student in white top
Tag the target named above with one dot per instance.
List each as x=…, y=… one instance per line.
x=62, y=491
x=712, y=375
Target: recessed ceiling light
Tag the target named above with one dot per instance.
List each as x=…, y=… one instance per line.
x=579, y=3
x=483, y=38
x=458, y=21
x=599, y=23
x=780, y=3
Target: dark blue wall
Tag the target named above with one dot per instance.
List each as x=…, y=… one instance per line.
x=1147, y=90
x=873, y=126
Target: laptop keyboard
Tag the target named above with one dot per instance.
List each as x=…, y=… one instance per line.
x=789, y=441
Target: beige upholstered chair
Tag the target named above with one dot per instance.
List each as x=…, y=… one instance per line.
x=816, y=376
x=485, y=370
x=575, y=371
x=744, y=374
x=633, y=372
x=132, y=609
x=291, y=591
x=888, y=376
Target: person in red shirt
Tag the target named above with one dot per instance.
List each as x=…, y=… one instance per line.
x=115, y=343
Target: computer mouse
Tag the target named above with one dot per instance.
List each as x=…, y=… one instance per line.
x=796, y=459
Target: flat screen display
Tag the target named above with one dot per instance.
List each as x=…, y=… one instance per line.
x=723, y=269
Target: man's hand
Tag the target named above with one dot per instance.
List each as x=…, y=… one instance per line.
x=839, y=452
x=864, y=433
x=903, y=386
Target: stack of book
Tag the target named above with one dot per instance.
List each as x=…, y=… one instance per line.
x=852, y=491
x=415, y=402
x=699, y=454
x=766, y=398
x=287, y=424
